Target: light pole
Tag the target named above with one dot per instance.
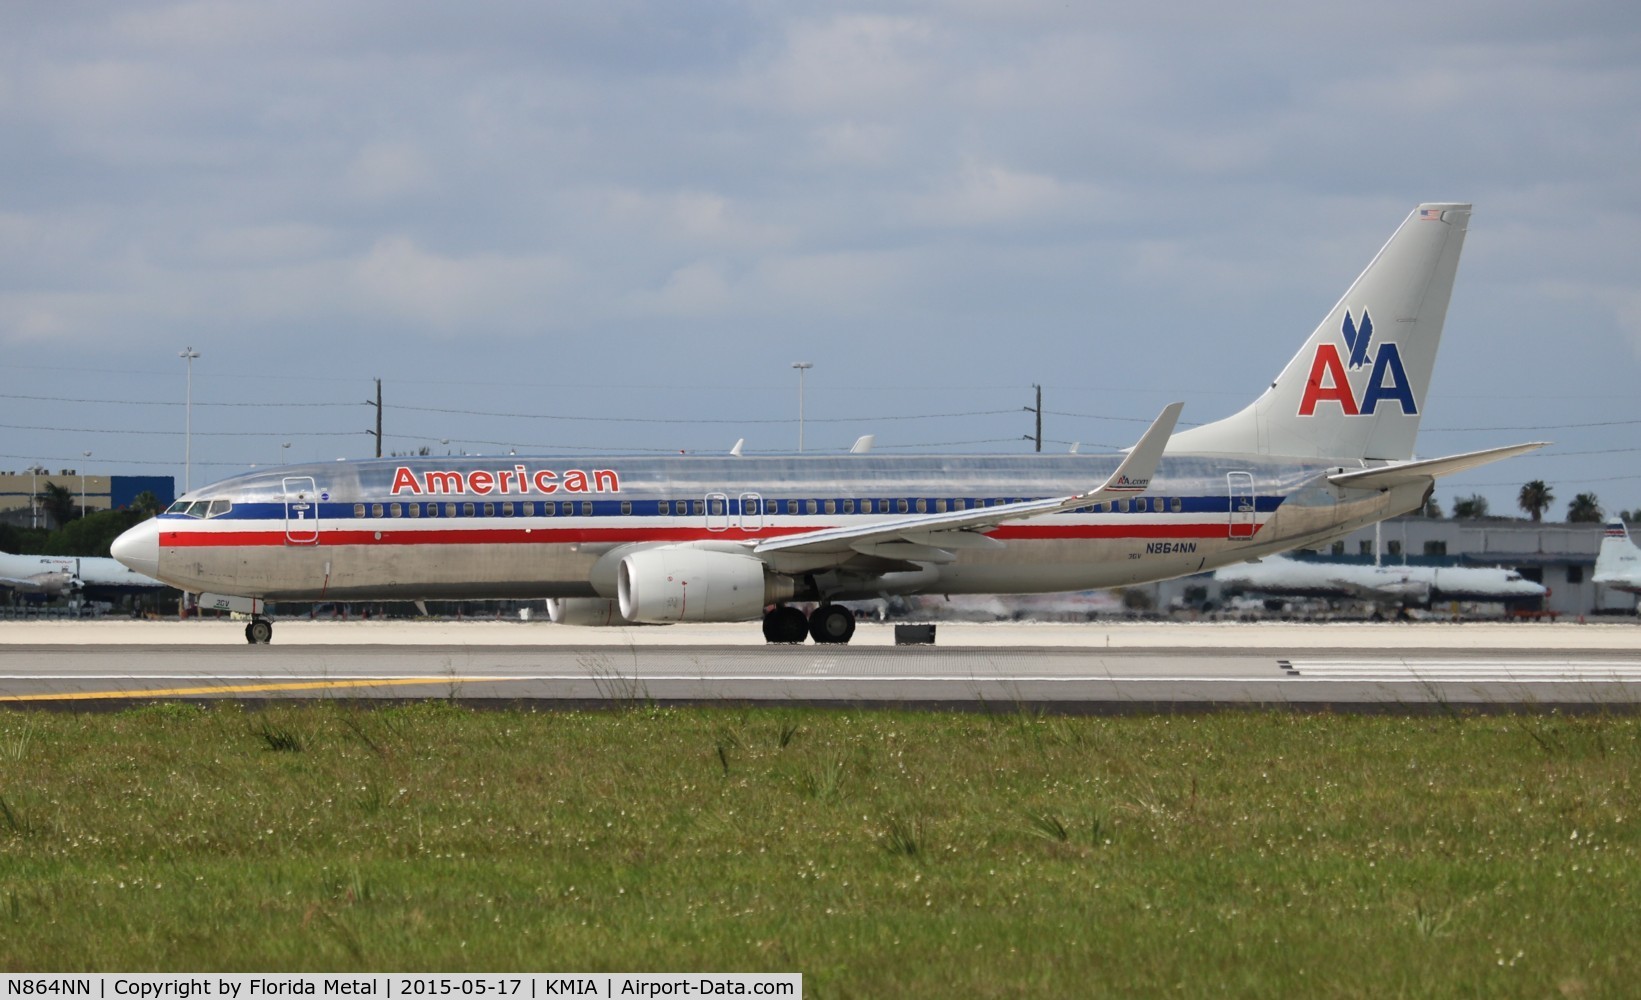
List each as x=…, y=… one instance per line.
x=283, y=453
x=801, y=366
x=188, y=354
x=34, y=496
x=87, y=456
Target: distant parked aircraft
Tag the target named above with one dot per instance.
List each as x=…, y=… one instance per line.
x=61, y=576
x=1618, y=564
x=1280, y=576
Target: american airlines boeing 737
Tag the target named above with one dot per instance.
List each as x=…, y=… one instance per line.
x=1325, y=449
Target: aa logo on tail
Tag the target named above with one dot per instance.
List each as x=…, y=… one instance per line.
x=1329, y=380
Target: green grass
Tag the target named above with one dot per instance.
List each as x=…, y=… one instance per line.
x=878, y=853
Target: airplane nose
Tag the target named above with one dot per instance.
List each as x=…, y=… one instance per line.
x=139, y=548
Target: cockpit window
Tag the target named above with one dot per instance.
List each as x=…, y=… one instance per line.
x=201, y=508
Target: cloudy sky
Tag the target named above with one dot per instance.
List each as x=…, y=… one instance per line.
x=614, y=226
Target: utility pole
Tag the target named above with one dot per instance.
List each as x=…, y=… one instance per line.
x=1038, y=410
x=188, y=354
x=378, y=431
x=801, y=366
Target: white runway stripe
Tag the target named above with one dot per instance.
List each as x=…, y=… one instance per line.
x=1533, y=671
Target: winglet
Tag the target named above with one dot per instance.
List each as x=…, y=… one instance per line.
x=1134, y=474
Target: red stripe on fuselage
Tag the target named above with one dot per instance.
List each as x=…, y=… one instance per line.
x=565, y=536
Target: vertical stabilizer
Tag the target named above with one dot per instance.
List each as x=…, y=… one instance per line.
x=1357, y=388
x=1618, y=564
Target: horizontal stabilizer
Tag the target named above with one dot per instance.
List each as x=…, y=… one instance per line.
x=1403, y=473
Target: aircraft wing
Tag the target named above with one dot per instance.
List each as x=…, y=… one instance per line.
x=902, y=537
x=1410, y=472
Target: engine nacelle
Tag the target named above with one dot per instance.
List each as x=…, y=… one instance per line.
x=588, y=612
x=683, y=584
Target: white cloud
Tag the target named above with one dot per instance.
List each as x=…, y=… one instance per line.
x=444, y=294
x=385, y=171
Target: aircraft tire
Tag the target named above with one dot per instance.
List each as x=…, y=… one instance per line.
x=832, y=623
x=259, y=632
x=785, y=625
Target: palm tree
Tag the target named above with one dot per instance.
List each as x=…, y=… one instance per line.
x=1584, y=508
x=60, y=503
x=1470, y=507
x=146, y=503
x=1535, y=498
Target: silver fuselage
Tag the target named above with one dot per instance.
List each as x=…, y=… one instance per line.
x=470, y=528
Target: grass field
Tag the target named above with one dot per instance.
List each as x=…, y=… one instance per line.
x=878, y=853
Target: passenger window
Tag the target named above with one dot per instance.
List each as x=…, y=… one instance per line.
x=549, y=509
x=1176, y=505
x=848, y=506
x=507, y=508
x=940, y=506
x=792, y=506
x=358, y=510
x=375, y=510
x=467, y=510
x=586, y=508
x=831, y=506
x=922, y=506
x=527, y=508
x=1139, y=505
x=395, y=510
x=901, y=506
x=626, y=506
x=1122, y=505
x=413, y=509
x=569, y=508
x=716, y=506
x=449, y=510
x=811, y=507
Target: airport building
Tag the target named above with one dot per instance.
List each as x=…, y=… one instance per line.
x=18, y=490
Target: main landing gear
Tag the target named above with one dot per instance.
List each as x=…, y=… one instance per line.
x=259, y=631
x=830, y=624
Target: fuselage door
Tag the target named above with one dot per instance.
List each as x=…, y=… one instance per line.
x=717, y=511
x=1240, y=485
x=301, y=511
x=752, y=512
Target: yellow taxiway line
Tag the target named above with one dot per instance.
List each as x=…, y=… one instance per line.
x=186, y=692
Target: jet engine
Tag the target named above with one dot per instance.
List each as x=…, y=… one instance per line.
x=585, y=611
x=666, y=584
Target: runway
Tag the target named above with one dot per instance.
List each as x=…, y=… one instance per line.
x=1096, y=667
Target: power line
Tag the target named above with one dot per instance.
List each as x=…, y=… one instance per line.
x=674, y=421
x=153, y=402
x=101, y=430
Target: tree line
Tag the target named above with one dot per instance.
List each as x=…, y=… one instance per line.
x=75, y=531
x=1535, y=499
